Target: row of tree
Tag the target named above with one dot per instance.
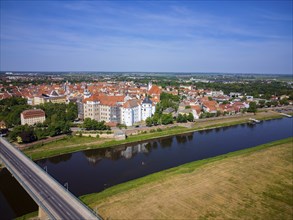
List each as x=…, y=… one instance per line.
x=27, y=134
x=58, y=119
x=11, y=108
x=91, y=124
x=167, y=101
x=254, y=88
x=165, y=119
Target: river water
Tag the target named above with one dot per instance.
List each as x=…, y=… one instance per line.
x=94, y=170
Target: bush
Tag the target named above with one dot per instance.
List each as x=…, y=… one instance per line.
x=159, y=130
x=152, y=130
x=98, y=136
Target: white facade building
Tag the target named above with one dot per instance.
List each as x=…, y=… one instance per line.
x=146, y=109
x=131, y=112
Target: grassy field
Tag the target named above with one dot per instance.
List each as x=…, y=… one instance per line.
x=254, y=183
x=75, y=144
x=66, y=145
x=32, y=215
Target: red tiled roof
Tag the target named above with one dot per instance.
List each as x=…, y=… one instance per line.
x=197, y=108
x=131, y=103
x=155, y=90
x=33, y=113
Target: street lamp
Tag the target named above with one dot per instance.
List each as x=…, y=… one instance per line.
x=66, y=185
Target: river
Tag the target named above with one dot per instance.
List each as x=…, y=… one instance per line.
x=94, y=170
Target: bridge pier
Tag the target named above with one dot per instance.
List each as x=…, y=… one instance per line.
x=42, y=215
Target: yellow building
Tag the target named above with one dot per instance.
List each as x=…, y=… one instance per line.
x=33, y=116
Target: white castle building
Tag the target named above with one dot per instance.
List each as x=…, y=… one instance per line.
x=147, y=109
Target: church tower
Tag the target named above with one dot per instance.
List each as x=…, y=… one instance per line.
x=86, y=93
x=150, y=86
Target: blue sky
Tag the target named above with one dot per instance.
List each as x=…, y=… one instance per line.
x=151, y=36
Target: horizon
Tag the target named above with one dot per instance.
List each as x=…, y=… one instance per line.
x=131, y=72
x=156, y=37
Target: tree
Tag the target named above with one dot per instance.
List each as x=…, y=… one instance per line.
x=190, y=117
x=261, y=103
x=181, y=118
x=149, y=121
x=91, y=124
x=284, y=101
x=22, y=133
x=156, y=119
x=167, y=119
x=252, y=107
x=28, y=135
x=87, y=123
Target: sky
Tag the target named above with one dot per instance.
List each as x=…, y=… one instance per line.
x=147, y=36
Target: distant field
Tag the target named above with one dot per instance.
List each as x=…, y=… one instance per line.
x=253, y=183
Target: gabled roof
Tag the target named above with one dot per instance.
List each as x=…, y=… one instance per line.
x=147, y=101
x=33, y=113
x=132, y=103
x=155, y=90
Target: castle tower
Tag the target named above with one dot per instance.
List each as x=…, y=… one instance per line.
x=86, y=93
x=150, y=86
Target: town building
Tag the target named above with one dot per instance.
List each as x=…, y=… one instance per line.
x=131, y=112
x=146, y=109
x=32, y=116
x=91, y=108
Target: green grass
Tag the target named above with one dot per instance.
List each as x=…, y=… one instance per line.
x=27, y=216
x=185, y=168
x=49, y=150
x=68, y=140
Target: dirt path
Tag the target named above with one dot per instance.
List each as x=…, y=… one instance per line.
x=252, y=186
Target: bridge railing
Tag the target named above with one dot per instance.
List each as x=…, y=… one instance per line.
x=50, y=177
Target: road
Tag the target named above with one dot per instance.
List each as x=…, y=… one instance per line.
x=47, y=193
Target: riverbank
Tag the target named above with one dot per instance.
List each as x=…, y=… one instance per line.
x=70, y=144
x=255, y=183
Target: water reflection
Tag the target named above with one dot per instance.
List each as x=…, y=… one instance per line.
x=94, y=156
x=130, y=151
x=166, y=142
x=181, y=139
x=57, y=159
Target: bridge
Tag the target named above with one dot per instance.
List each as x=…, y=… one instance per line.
x=54, y=201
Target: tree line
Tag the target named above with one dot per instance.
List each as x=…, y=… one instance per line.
x=59, y=118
